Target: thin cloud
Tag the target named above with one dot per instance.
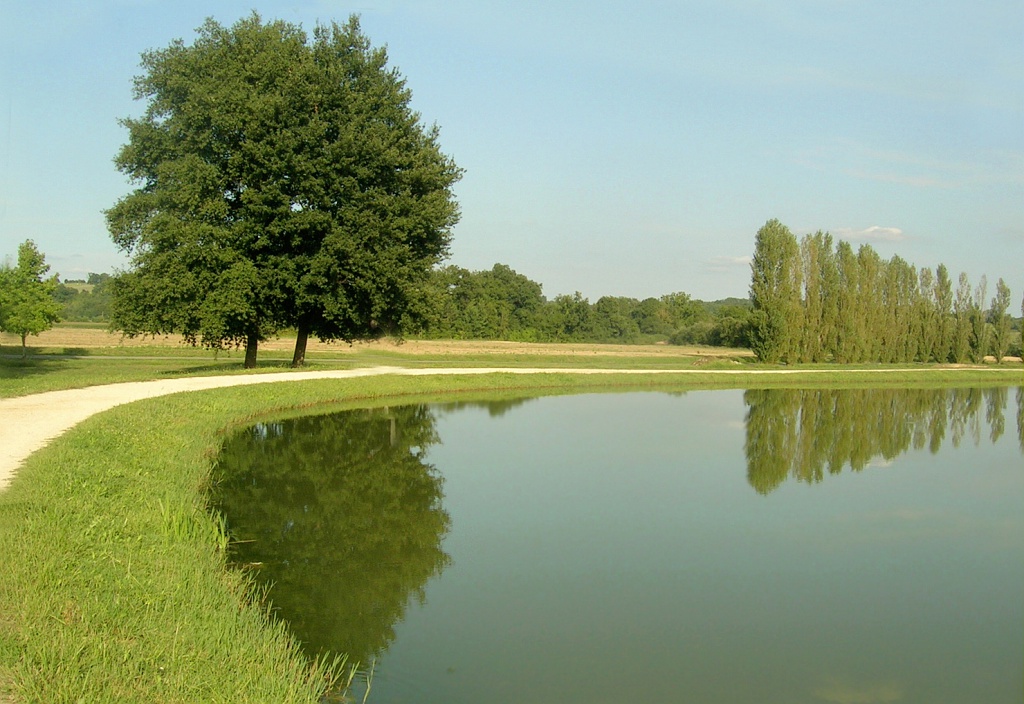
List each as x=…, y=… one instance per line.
x=917, y=170
x=720, y=264
x=916, y=181
x=872, y=234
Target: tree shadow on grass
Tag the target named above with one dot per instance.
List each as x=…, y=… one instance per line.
x=225, y=367
x=13, y=366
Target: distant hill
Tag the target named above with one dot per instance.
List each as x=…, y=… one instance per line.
x=716, y=307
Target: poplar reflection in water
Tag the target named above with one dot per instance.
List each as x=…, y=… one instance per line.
x=342, y=516
x=801, y=433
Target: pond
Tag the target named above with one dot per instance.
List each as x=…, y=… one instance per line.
x=848, y=546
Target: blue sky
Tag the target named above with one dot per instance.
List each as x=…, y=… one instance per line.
x=614, y=148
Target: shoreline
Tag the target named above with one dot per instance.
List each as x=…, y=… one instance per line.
x=28, y=423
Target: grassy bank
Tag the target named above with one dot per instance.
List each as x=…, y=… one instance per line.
x=115, y=587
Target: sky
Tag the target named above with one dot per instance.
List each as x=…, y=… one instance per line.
x=611, y=147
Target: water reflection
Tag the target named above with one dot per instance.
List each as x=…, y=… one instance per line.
x=342, y=515
x=587, y=525
x=1020, y=416
x=804, y=433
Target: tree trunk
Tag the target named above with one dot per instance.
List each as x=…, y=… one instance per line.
x=24, y=350
x=302, y=336
x=251, y=344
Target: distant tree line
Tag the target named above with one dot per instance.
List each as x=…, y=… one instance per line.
x=85, y=300
x=501, y=304
x=817, y=300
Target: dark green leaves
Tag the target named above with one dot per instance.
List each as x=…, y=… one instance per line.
x=282, y=183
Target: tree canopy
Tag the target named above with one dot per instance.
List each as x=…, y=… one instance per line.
x=282, y=182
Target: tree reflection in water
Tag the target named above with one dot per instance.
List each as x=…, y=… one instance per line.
x=802, y=433
x=342, y=517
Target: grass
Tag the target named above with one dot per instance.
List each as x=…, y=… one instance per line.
x=115, y=586
x=51, y=373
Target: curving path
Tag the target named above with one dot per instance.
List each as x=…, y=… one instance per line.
x=27, y=423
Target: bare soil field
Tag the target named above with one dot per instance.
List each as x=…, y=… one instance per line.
x=71, y=338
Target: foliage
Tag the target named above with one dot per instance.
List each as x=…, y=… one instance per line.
x=501, y=304
x=497, y=304
x=27, y=303
x=282, y=182
x=90, y=303
x=817, y=301
x=775, y=293
x=999, y=318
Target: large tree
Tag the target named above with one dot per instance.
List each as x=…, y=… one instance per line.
x=27, y=304
x=282, y=182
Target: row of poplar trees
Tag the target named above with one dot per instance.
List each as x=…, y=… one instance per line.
x=817, y=300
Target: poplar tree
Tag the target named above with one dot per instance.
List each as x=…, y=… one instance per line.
x=905, y=333
x=926, y=317
x=848, y=305
x=812, y=348
x=1000, y=321
x=979, y=332
x=961, y=347
x=943, y=299
x=775, y=294
x=871, y=326
x=830, y=297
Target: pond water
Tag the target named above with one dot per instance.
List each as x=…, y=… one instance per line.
x=760, y=546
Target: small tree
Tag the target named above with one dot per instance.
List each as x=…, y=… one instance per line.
x=27, y=305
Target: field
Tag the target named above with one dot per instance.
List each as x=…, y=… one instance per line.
x=67, y=339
